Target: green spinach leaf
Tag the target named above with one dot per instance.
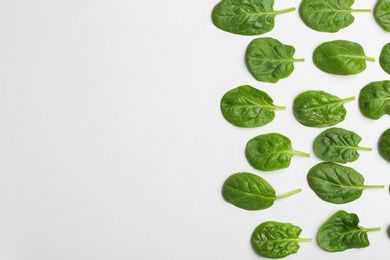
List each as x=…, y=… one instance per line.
x=246, y=17
x=340, y=57
x=384, y=145
x=374, y=99
x=269, y=152
x=246, y=106
x=251, y=192
x=342, y=231
x=316, y=108
x=382, y=14
x=338, y=145
x=336, y=183
x=276, y=240
x=269, y=60
x=328, y=16
x=384, y=58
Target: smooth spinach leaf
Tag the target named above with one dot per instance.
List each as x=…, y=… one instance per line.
x=340, y=57
x=269, y=60
x=246, y=106
x=338, y=145
x=336, y=183
x=269, y=152
x=246, y=17
x=276, y=240
x=382, y=14
x=328, y=16
x=384, y=58
x=316, y=108
x=342, y=231
x=251, y=192
x=384, y=145
x=374, y=99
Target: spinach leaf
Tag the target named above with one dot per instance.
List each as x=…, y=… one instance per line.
x=384, y=58
x=340, y=57
x=374, y=99
x=338, y=145
x=388, y=231
x=382, y=14
x=336, y=183
x=251, y=192
x=246, y=17
x=269, y=152
x=328, y=16
x=269, y=60
x=246, y=106
x=384, y=145
x=276, y=240
x=316, y=108
x=342, y=231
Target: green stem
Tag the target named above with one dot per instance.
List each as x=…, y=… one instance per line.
x=372, y=229
x=291, y=9
x=369, y=58
x=288, y=194
x=363, y=148
x=360, y=10
x=374, y=186
x=345, y=100
x=305, y=239
x=301, y=153
x=299, y=60
x=280, y=107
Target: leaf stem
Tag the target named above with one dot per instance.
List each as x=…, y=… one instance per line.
x=369, y=58
x=305, y=239
x=301, y=153
x=280, y=107
x=374, y=186
x=299, y=60
x=372, y=229
x=361, y=10
x=288, y=194
x=345, y=100
x=291, y=9
x=363, y=148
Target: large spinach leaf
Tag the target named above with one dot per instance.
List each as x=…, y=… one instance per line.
x=382, y=14
x=328, y=16
x=374, y=99
x=384, y=58
x=340, y=57
x=246, y=106
x=251, y=192
x=336, y=183
x=246, y=17
x=316, y=108
x=269, y=152
x=342, y=231
x=276, y=240
x=384, y=145
x=269, y=60
x=338, y=145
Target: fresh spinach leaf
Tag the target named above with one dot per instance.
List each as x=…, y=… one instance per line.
x=276, y=240
x=388, y=231
x=382, y=14
x=328, y=16
x=246, y=106
x=384, y=145
x=338, y=145
x=316, y=108
x=336, y=183
x=246, y=17
x=269, y=60
x=342, y=231
x=269, y=152
x=340, y=57
x=251, y=192
x=374, y=99
x=384, y=58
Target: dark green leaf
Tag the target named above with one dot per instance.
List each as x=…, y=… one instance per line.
x=384, y=58
x=382, y=14
x=384, y=145
x=374, y=99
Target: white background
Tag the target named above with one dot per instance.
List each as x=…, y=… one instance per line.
x=112, y=144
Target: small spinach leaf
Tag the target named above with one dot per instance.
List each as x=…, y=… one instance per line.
x=246, y=17
x=374, y=99
x=384, y=145
x=336, y=183
x=342, y=231
x=269, y=152
x=384, y=58
x=328, y=16
x=246, y=106
x=340, y=57
x=316, y=108
x=382, y=14
x=338, y=145
x=269, y=60
x=276, y=240
x=251, y=192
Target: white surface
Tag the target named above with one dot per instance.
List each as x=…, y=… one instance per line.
x=112, y=145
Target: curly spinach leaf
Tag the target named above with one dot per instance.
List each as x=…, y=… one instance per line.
x=276, y=240
x=269, y=60
x=246, y=17
x=382, y=14
x=340, y=57
x=374, y=99
x=384, y=58
x=336, y=183
x=316, y=108
x=269, y=152
x=342, y=231
x=338, y=145
x=328, y=16
x=251, y=192
x=246, y=106
x=384, y=145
